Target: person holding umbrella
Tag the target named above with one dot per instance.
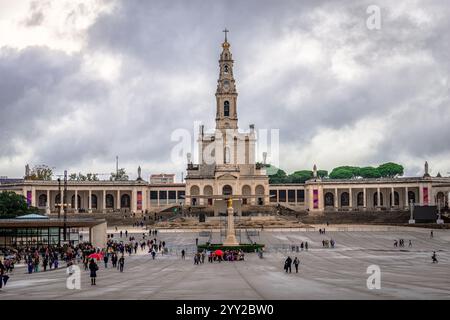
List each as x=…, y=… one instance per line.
x=93, y=269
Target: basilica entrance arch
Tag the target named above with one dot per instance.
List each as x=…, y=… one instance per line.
x=227, y=190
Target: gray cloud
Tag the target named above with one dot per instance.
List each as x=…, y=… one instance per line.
x=304, y=67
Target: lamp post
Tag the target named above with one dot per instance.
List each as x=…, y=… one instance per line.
x=65, y=205
x=411, y=209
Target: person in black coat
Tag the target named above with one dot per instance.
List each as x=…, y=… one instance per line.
x=288, y=265
x=93, y=268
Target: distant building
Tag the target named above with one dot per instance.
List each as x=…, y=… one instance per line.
x=162, y=178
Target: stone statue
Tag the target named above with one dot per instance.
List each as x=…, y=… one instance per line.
x=27, y=171
x=264, y=157
x=426, y=167
x=315, y=171
x=139, y=173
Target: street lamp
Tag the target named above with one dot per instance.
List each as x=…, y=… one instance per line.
x=411, y=209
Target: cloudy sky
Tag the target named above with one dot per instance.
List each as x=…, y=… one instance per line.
x=82, y=81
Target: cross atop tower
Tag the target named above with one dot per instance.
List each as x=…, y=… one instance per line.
x=226, y=31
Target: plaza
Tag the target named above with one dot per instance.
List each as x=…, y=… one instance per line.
x=324, y=273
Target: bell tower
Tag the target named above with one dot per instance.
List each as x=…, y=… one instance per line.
x=226, y=95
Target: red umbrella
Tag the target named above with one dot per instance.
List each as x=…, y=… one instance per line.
x=97, y=256
x=218, y=253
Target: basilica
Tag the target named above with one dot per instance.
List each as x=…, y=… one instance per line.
x=227, y=169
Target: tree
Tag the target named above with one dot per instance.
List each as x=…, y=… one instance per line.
x=390, y=170
x=276, y=175
x=322, y=173
x=40, y=172
x=369, y=172
x=121, y=175
x=301, y=176
x=13, y=204
x=344, y=172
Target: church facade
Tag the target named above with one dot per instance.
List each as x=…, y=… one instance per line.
x=227, y=168
x=226, y=161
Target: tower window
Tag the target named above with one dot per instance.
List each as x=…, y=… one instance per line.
x=225, y=68
x=226, y=108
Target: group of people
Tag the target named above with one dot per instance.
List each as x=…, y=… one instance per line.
x=303, y=246
x=288, y=264
x=327, y=244
x=401, y=243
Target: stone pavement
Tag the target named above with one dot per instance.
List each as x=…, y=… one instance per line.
x=325, y=273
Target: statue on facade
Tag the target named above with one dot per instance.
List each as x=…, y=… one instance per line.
x=426, y=174
x=139, y=173
x=27, y=171
x=315, y=172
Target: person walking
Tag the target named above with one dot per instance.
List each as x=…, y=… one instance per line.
x=105, y=260
x=410, y=244
x=196, y=241
x=431, y=234
x=153, y=254
x=296, y=263
x=433, y=257
x=3, y=276
x=121, y=263
x=183, y=254
x=93, y=271
x=306, y=245
x=288, y=265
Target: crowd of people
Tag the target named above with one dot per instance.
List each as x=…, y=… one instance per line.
x=401, y=243
x=301, y=247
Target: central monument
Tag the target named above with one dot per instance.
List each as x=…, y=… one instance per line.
x=231, y=233
x=226, y=167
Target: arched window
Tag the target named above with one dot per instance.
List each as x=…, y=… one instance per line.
x=345, y=199
x=329, y=199
x=360, y=199
x=109, y=201
x=227, y=190
x=375, y=199
x=125, y=201
x=42, y=200
x=226, y=108
x=93, y=201
x=225, y=69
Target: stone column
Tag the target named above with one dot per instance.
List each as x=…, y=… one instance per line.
x=133, y=201
x=61, y=207
x=47, y=205
x=76, y=201
x=406, y=198
x=104, y=201
x=392, y=197
x=350, y=198
x=378, y=198
x=33, y=196
x=364, y=199
x=90, y=201
x=118, y=200
x=336, y=199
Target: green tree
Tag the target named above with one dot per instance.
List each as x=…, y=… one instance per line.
x=390, y=169
x=322, y=173
x=276, y=175
x=40, y=172
x=301, y=176
x=121, y=175
x=13, y=204
x=344, y=172
x=369, y=172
